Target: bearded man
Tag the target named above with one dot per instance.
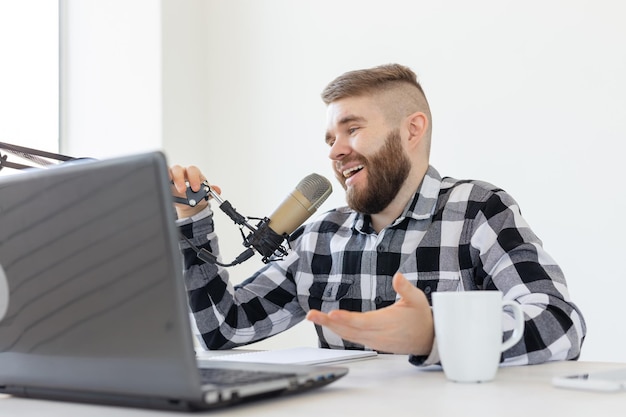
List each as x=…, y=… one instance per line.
x=364, y=274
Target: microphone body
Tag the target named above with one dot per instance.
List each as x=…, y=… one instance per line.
x=299, y=205
x=268, y=235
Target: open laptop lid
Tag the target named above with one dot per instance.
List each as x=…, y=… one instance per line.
x=96, y=299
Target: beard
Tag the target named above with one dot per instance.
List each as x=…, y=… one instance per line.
x=387, y=170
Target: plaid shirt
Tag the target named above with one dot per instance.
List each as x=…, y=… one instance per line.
x=452, y=236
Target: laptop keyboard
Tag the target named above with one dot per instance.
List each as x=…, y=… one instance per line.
x=227, y=377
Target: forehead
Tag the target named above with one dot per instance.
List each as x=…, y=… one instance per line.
x=349, y=109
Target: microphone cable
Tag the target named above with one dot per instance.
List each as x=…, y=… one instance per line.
x=208, y=257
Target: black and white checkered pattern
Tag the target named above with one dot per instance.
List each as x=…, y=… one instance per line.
x=453, y=236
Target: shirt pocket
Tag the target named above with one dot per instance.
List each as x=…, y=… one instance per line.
x=327, y=290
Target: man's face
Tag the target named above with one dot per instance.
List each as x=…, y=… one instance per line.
x=368, y=158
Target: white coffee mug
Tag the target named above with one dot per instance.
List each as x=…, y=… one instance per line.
x=468, y=331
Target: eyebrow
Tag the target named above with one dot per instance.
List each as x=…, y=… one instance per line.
x=345, y=120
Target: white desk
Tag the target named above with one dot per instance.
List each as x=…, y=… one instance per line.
x=389, y=386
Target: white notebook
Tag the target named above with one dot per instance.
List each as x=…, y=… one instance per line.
x=297, y=355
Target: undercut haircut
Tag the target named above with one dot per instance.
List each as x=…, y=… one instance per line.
x=397, y=86
x=370, y=81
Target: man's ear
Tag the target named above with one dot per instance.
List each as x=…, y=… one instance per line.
x=417, y=124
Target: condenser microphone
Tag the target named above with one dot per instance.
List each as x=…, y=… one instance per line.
x=268, y=235
x=299, y=205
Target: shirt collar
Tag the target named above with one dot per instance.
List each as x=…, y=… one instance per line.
x=423, y=204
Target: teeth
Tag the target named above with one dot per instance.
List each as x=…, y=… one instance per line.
x=349, y=172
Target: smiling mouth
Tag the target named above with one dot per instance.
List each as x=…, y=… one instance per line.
x=350, y=172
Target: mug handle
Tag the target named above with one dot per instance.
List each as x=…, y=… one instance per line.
x=518, y=330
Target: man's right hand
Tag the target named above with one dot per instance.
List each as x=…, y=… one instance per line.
x=182, y=176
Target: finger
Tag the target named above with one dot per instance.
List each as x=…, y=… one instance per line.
x=178, y=177
x=400, y=283
x=216, y=189
x=194, y=177
x=324, y=319
x=405, y=289
x=342, y=321
x=345, y=331
x=317, y=317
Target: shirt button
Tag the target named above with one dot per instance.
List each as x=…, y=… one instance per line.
x=427, y=290
x=380, y=249
x=378, y=299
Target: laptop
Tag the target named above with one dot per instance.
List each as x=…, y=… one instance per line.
x=96, y=309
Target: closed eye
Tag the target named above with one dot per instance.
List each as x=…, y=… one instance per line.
x=329, y=139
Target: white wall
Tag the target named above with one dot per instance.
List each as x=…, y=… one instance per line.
x=111, y=101
x=528, y=95
x=29, y=76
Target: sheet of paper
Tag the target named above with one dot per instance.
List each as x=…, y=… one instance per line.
x=297, y=355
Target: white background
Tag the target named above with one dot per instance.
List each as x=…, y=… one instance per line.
x=530, y=96
x=29, y=76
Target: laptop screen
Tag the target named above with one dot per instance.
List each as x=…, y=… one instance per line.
x=90, y=256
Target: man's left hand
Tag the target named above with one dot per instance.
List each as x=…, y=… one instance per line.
x=406, y=327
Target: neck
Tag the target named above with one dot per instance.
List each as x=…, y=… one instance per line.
x=397, y=205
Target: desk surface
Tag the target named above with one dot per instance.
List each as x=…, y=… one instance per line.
x=389, y=384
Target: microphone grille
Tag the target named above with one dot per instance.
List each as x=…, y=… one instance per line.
x=315, y=188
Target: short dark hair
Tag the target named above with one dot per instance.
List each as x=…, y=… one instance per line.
x=369, y=81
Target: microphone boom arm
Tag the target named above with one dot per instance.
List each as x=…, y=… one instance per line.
x=34, y=155
x=262, y=237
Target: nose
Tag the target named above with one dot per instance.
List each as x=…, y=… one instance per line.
x=339, y=149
